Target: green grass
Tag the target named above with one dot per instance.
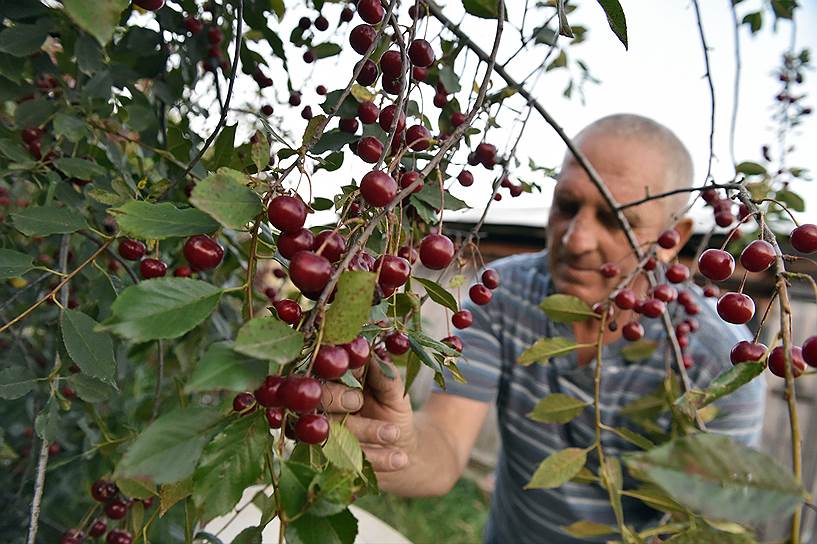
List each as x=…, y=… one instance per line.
x=457, y=518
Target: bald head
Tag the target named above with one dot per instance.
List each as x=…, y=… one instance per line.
x=678, y=170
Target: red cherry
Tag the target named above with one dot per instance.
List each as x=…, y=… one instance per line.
x=692, y=323
x=309, y=56
x=441, y=101
x=287, y=213
x=348, y=125
x=368, y=72
x=72, y=536
x=275, y=417
x=132, y=250
x=436, y=251
x=626, y=299
x=480, y=294
x=116, y=509
x=295, y=99
x=710, y=196
x=214, y=35
x=457, y=118
x=745, y=351
x=465, y=178
x=610, y=270
x=409, y=178
x=32, y=134
x=309, y=272
x=408, y=253
x=202, y=252
x=243, y=402
x=387, y=118
x=650, y=263
x=724, y=218
x=391, y=64
x=486, y=152
x=268, y=393
x=152, y=268
x=288, y=311
x=688, y=361
x=301, y=394
x=394, y=271
x=347, y=14
x=370, y=11
x=677, y=273
x=685, y=298
x=290, y=243
x=119, y=536
x=454, y=342
x=516, y=190
x=359, y=352
x=418, y=137
x=462, y=319
x=716, y=264
x=397, y=343
x=683, y=341
x=102, y=490
x=150, y=5
x=330, y=244
x=757, y=256
x=421, y=53
x=331, y=362
x=711, y=291
x=653, y=308
x=490, y=278
x=183, y=271
x=304, y=23
x=669, y=239
x=362, y=37
x=736, y=308
x=804, y=238
x=193, y=25
x=369, y=149
x=632, y=331
x=321, y=23
x=306, y=113
x=367, y=112
x=665, y=293
x=419, y=74
x=97, y=529
x=312, y=428
x=777, y=362
x=810, y=351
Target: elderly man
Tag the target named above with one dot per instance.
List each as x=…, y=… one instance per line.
x=424, y=453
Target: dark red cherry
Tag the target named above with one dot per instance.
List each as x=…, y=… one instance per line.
x=72, y=536
x=777, y=362
x=348, y=125
x=757, y=256
x=275, y=417
x=330, y=244
x=490, y=278
x=716, y=264
x=312, y=428
x=369, y=149
x=310, y=272
x=290, y=243
x=244, y=403
x=462, y=319
x=397, y=343
x=367, y=112
x=408, y=178
x=359, y=352
x=132, y=250
x=301, y=394
x=419, y=74
x=610, y=270
x=736, y=308
x=362, y=37
x=711, y=291
x=632, y=331
x=268, y=393
x=421, y=53
x=804, y=238
x=810, y=351
x=288, y=310
x=321, y=23
x=669, y=239
x=97, y=529
x=677, y=273
x=745, y=351
x=370, y=11
x=386, y=119
x=331, y=362
x=378, y=188
x=119, y=536
x=653, y=308
x=625, y=299
x=454, y=342
x=394, y=271
x=116, y=509
x=202, y=252
x=665, y=293
x=183, y=271
x=368, y=72
x=465, y=178
x=480, y=294
x=418, y=137
x=436, y=251
x=391, y=64
x=287, y=213
x=103, y=490
x=152, y=268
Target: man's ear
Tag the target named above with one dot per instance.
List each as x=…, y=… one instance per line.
x=684, y=228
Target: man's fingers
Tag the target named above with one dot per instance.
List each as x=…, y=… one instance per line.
x=373, y=431
x=388, y=390
x=337, y=398
x=385, y=459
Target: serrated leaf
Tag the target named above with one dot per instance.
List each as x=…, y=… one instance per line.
x=90, y=389
x=438, y=294
x=338, y=529
x=135, y=488
x=168, y=450
x=161, y=308
x=566, y=308
x=557, y=408
x=97, y=18
x=47, y=220
x=750, y=168
x=558, y=468
x=350, y=308
x=260, y=151
x=92, y=351
x=70, y=127
x=295, y=481
x=725, y=383
x=14, y=264
x=638, y=350
x=720, y=478
x=222, y=368
x=342, y=449
x=225, y=197
x=170, y=494
x=232, y=462
x=585, y=528
x=269, y=339
x=78, y=168
x=545, y=348
x=15, y=382
x=616, y=19
x=33, y=113
x=148, y=221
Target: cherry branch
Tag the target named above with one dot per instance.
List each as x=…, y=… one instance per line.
x=736, y=93
x=681, y=190
x=708, y=76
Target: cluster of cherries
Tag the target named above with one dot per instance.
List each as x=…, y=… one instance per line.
x=115, y=506
x=202, y=253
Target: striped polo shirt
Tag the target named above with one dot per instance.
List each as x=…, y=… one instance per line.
x=502, y=330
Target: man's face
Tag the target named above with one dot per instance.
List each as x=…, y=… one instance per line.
x=583, y=232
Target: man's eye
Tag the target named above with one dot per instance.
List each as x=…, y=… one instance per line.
x=567, y=207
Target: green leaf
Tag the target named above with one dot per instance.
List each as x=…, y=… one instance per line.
x=15, y=152
x=725, y=383
x=148, y=221
x=342, y=448
x=333, y=140
x=14, y=263
x=336, y=489
x=338, y=529
x=586, y=528
x=232, y=462
x=616, y=19
x=566, y=308
x=90, y=389
x=655, y=497
x=557, y=408
x=269, y=339
x=162, y=308
x=135, y=488
x=22, y=40
x=33, y=113
x=92, y=351
x=295, y=481
x=168, y=450
x=720, y=478
x=558, y=468
x=225, y=197
x=347, y=109
x=350, y=308
x=47, y=220
x=638, y=350
x=221, y=368
x=328, y=49
x=321, y=204
x=250, y=535
x=96, y=18
x=89, y=55
x=791, y=199
x=632, y=437
x=260, y=151
x=311, y=133
x=545, y=348
x=432, y=196
x=438, y=294
x=70, y=127
x=702, y=533
x=46, y=424
x=170, y=494
x=754, y=20
x=750, y=168
x=79, y=168
x=486, y=9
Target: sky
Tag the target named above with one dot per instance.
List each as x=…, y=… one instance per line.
x=661, y=76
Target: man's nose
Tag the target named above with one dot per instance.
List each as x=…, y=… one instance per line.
x=580, y=236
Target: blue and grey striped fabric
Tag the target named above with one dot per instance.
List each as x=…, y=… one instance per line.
x=510, y=324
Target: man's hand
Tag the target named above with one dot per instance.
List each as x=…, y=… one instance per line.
x=380, y=417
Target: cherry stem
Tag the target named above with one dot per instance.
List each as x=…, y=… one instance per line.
x=784, y=208
x=251, y=268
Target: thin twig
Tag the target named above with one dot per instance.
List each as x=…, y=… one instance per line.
x=113, y=254
x=708, y=76
x=157, y=398
x=736, y=91
x=665, y=194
